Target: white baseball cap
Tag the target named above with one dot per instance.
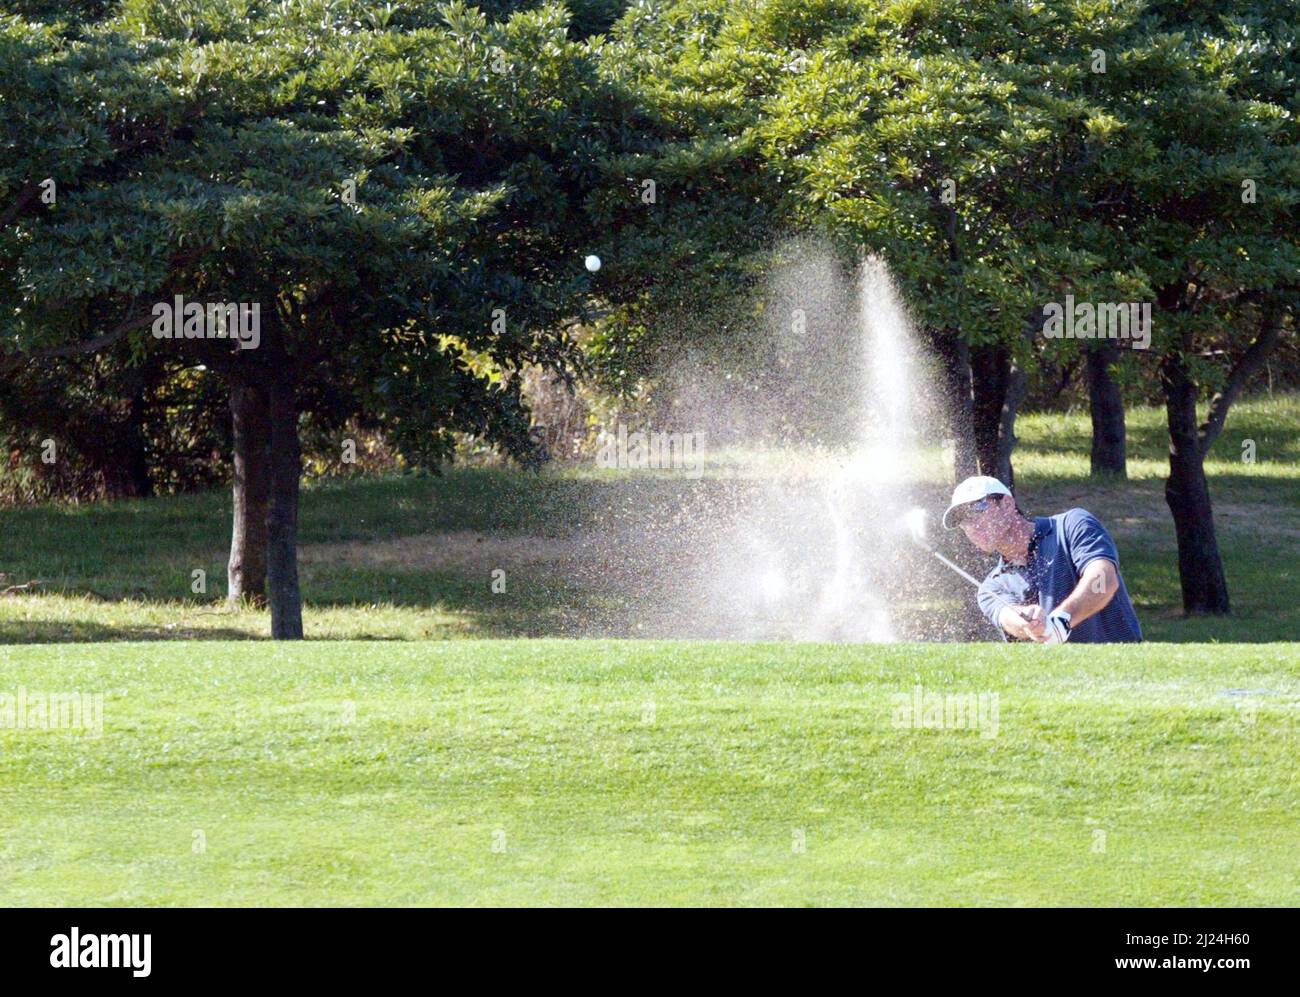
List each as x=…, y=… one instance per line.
x=971, y=490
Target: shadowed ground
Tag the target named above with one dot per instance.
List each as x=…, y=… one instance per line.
x=412, y=557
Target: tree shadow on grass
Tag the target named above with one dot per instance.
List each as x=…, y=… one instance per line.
x=90, y=632
x=323, y=623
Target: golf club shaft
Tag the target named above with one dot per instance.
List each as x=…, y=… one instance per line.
x=975, y=582
x=970, y=578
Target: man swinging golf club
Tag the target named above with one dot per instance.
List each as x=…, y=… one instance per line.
x=1057, y=577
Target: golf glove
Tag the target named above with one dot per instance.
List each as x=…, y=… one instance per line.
x=1058, y=627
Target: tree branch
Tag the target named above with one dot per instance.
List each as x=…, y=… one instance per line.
x=1251, y=361
x=14, y=360
x=17, y=359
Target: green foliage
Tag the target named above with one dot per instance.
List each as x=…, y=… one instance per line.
x=225, y=166
x=975, y=147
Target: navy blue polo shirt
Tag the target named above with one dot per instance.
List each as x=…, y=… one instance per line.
x=1061, y=548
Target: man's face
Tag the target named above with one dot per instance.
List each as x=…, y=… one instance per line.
x=987, y=522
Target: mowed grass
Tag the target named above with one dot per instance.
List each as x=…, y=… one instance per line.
x=605, y=772
x=125, y=570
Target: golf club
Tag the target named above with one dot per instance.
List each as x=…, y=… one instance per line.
x=915, y=519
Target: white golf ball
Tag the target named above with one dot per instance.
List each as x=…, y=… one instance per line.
x=593, y=263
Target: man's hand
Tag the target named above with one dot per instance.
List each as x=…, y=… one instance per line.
x=1024, y=623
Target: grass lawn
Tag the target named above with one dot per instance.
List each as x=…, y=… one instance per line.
x=638, y=772
x=410, y=557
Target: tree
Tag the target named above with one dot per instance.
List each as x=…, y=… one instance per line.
x=397, y=192
x=939, y=136
x=1197, y=189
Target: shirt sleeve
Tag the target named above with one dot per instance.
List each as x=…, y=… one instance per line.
x=1086, y=539
x=992, y=596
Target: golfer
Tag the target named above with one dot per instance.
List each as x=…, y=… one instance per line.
x=1057, y=578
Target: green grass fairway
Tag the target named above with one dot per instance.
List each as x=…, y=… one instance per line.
x=595, y=772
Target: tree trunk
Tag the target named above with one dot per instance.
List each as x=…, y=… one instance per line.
x=1200, y=568
x=286, y=468
x=1065, y=374
x=955, y=354
x=135, y=459
x=990, y=383
x=250, y=419
x=115, y=452
x=1018, y=383
x=1106, y=404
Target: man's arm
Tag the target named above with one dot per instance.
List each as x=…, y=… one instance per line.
x=1097, y=586
x=1096, y=562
